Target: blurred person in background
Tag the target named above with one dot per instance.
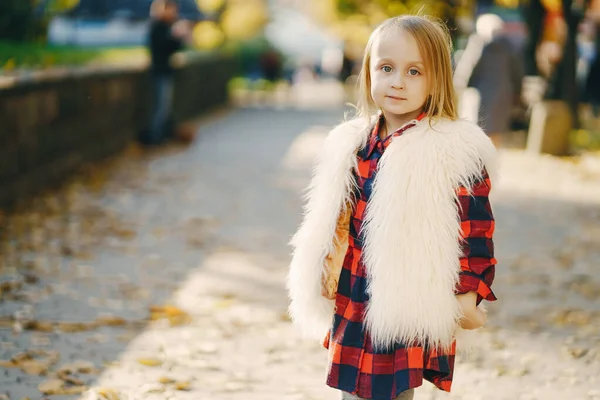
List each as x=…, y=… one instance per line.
x=491, y=64
x=592, y=83
x=271, y=65
x=347, y=69
x=166, y=36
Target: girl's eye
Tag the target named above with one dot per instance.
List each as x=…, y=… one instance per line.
x=413, y=72
x=386, y=68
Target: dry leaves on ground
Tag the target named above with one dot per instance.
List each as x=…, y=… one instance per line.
x=173, y=314
x=60, y=387
x=32, y=362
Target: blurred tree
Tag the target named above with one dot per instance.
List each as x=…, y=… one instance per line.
x=229, y=20
x=16, y=20
x=59, y=6
x=353, y=20
x=244, y=19
x=25, y=20
x=210, y=6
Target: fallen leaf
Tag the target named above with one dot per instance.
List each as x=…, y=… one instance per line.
x=83, y=367
x=6, y=322
x=576, y=352
x=150, y=362
x=110, y=320
x=11, y=286
x=71, y=379
x=124, y=233
x=40, y=326
x=73, y=390
x=175, y=315
x=106, y=393
x=34, y=367
x=52, y=386
x=572, y=317
x=71, y=327
x=32, y=362
x=183, y=386
x=30, y=278
x=166, y=381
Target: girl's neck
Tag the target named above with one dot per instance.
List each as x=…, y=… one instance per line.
x=395, y=122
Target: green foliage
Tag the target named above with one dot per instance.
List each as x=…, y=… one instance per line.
x=248, y=52
x=37, y=55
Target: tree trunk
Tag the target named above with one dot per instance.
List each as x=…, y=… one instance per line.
x=16, y=20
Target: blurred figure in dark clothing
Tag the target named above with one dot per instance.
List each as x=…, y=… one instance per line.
x=491, y=64
x=592, y=86
x=592, y=83
x=271, y=65
x=165, y=38
x=347, y=68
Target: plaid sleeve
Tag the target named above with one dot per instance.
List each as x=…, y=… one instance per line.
x=477, y=224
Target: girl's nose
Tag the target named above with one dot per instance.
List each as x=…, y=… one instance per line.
x=398, y=83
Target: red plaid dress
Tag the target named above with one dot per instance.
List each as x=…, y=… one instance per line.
x=382, y=375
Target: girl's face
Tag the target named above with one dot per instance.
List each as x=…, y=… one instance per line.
x=399, y=83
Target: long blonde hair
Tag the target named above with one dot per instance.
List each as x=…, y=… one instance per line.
x=435, y=46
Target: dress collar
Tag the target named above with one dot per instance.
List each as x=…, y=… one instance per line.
x=375, y=140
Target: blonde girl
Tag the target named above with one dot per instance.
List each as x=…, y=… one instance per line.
x=395, y=251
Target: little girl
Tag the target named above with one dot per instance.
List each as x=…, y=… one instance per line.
x=395, y=252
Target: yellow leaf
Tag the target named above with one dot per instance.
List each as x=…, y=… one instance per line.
x=7, y=364
x=165, y=380
x=52, y=386
x=183, y=386
x=110, y=320
x=34, y=367
x=108, y=394
x=41, y=326
x=73, y=326
x=150, y=362
x=175, y=315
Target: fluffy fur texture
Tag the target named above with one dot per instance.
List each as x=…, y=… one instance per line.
x=412, y=241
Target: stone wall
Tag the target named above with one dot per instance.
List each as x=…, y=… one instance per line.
x=50, y=125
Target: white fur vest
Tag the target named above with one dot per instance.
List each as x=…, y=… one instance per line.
x=412, y=229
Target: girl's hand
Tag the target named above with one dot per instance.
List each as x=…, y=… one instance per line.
x=328, y=284
x=473, y=317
